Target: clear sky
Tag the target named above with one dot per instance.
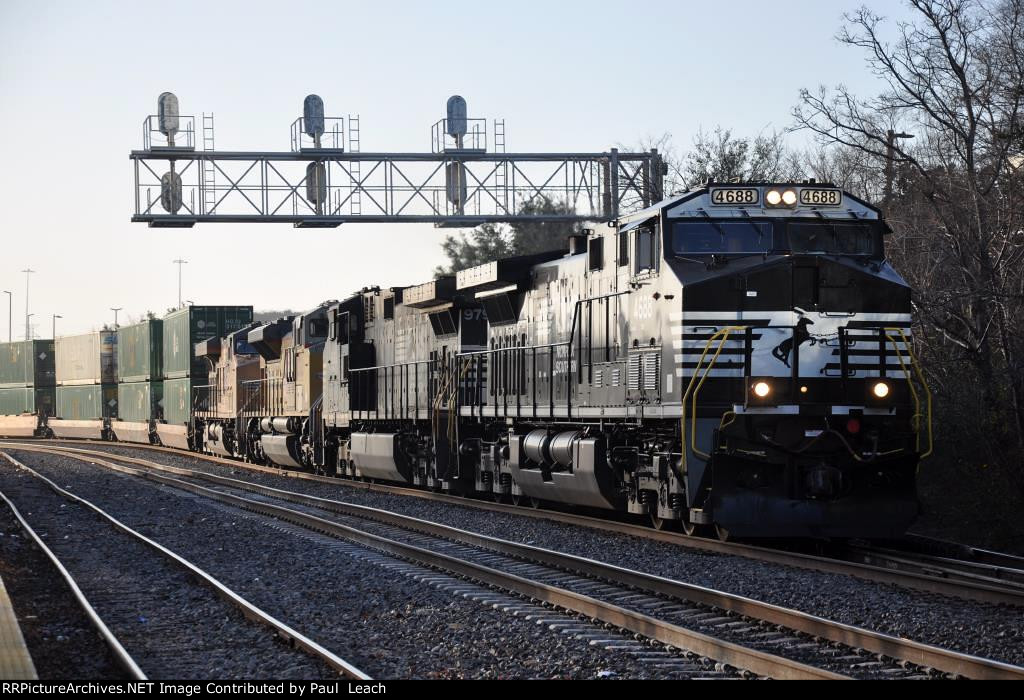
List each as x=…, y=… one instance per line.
x=77, y=79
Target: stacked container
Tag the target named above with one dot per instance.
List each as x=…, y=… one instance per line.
x=140, y=371
x=183, y=329
x=27, y=382
x=86, y=372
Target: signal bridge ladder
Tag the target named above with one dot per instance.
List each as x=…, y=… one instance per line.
x=355, y=200
x=209, y=173
x=501, y=173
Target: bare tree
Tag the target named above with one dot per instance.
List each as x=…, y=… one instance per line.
x=955, y=79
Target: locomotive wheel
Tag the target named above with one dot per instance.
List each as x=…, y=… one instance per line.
x=518, y=499
x=688, y=527
x=497, y=497
x=534, y=502
x=661, y=524
x=722, y=533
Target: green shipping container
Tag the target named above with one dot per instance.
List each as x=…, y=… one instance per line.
x=140, y=351
x=87, y=402
x=177, y=400
x=15, y=401
x=194, y=324
x=140, y=401
x=27, y=363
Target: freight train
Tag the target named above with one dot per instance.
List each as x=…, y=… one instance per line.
x=736, y=359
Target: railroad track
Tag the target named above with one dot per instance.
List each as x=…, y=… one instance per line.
x=149, y=594
x=737, y=631
x=945, y=560
x=976, y=575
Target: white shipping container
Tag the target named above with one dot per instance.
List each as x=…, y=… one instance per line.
x=90, y=358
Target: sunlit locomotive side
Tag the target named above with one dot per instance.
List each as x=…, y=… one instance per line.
x=390, y=408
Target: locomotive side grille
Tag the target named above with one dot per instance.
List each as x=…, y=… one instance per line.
x=598, y=378
x=643, y=371
x=651, y=370
x=633, y=373
x=616, y=377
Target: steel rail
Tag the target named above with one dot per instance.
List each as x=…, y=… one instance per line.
x=758, y=662
x=121, y=655
x=929, y=583
x=915, y=652
x=1009, y=578
x=249, y=610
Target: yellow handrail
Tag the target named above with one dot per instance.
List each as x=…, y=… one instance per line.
x=724, y=333
x=915, y=363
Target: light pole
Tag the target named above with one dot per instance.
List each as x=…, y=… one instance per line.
x=115, y=309
x=28, y=271
x=890, y=156
x=28, y=328
x=55, y=317
x=179, y=262
x=10, y=313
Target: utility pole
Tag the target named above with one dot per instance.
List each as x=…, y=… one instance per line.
x=179, y=262
x=28, y=271
x=890, y=157
x=10, y=314
x=55, y=317
x=115, y=309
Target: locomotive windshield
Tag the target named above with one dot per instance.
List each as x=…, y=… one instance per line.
x=745, y=236
x=835, y=238
x=706, y=237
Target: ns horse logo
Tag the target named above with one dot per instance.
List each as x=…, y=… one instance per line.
x=801, y=335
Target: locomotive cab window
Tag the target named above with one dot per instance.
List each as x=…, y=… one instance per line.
x=721, y=237
x=317, y=329
x=646, y=251
x=623, y=240
x=596, y=250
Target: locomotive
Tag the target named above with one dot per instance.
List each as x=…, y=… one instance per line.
x=737, y=358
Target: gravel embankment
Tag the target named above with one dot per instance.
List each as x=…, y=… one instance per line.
x=172, y=626
x=388, y=625
x=992, y=631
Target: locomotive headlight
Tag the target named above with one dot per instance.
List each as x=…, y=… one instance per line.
x=879, y=393
x=773, y=197
x=760, y=392
x=789, y=198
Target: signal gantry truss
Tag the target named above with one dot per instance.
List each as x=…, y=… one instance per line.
x=329, y=182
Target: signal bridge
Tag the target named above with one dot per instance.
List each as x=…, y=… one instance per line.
x=325, y=180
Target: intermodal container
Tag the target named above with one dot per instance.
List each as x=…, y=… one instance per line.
x=194, y=324
x=80, y=402
x=140, y=401
x=15, y=401
x=140, y=351
x=27, y=363
x=87, y=359
x=177, y=400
